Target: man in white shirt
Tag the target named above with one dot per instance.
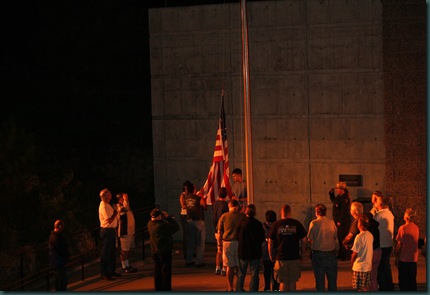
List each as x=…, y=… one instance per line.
x=108, y=224
x=386, y=232
x=322, y=236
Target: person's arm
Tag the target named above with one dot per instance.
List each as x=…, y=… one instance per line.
x=336, y=239
x=203, y=203
x=174, y=226
x=354, y=256
x=348, y=241
x=310, y=234
x=331, y=194
x=174, y=223
x=261, y=233
x=397, y=253
x=112, y=218
x=271, y=241
x=105, y=214
x=219, y=241
x=220, y=227
x=120, y=208
x=302, y=254
x=271, y=248
x=126, y=200
x=182, y=201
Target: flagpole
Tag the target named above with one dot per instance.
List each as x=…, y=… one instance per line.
x=247, y=105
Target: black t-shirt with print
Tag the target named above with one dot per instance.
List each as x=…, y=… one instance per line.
x=286, y=235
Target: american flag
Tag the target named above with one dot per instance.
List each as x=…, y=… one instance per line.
x=219, y=174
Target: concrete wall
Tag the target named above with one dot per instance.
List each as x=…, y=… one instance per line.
x=317, y=98
x=405, y=97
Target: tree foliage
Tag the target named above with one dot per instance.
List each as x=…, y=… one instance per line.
x=37, y=188
x=77, y=90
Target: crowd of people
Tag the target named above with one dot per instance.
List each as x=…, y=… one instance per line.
x=244, y=244
x=117, y=225
x=369, y=242
x=363, y=238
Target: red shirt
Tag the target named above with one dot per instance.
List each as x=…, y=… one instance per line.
x=408, y=235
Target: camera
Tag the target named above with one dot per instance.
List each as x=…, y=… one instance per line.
x=156, y=212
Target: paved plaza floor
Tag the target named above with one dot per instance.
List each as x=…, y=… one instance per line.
x=192, y=279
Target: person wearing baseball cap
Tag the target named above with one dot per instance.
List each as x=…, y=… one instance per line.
x=339, y=196
x=161, y=228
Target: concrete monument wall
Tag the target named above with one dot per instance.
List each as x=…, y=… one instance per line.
x=317, y=99
x=405, y=99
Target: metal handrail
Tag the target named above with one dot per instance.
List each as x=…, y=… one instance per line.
x=46, y=272
x=81, y=258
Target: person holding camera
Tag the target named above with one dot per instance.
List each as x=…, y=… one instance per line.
x=161, y=228
x=126, y=230
x=108, y=225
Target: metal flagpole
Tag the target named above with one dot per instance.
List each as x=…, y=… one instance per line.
x=247, y=105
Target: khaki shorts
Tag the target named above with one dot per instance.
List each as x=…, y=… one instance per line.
x=230, y=253
x=127, y=242
x=287, y=271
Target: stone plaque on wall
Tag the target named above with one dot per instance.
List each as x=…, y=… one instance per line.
x=351, y=180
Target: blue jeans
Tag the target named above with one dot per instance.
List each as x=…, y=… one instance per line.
x=385, y=277
x=107, y=255
x=325, y=264
x=196, y=240
x=184, y=224
x=254, y=267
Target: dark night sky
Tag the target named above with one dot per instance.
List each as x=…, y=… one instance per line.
x=71, y=67
x=75, y=72
x=76, y=75
x=75, y=108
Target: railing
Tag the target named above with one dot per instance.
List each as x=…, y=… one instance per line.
x=47, y=274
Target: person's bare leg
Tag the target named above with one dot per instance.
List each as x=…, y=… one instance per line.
x=282, y=287
x=230, y=277
x=218, y=260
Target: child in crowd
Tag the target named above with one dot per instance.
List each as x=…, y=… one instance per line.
x=361, y=258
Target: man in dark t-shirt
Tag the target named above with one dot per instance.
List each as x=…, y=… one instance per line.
x=219, y=208
x=196, y=226
x=250, y=235
x=287, y=245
